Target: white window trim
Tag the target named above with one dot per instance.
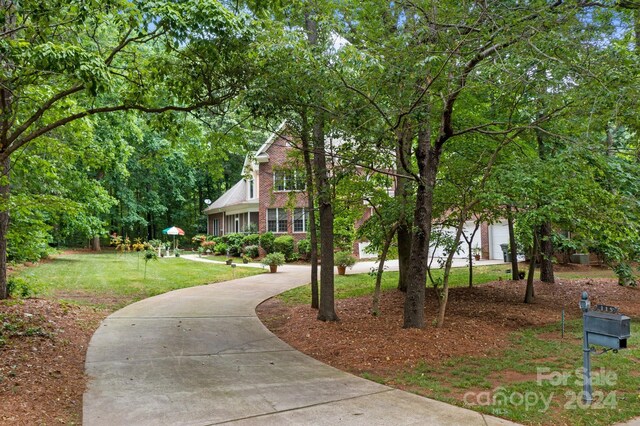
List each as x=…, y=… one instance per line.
x=305, y=220
x=278, y=219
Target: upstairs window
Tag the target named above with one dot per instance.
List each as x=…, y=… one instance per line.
x=289, y=180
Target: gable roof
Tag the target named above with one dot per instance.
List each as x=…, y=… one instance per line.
x=237, y=194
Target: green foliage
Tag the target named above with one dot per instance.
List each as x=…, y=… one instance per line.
x=23, y=288
x=251, y=240
x=150, y=255
x=304, y=247
x=344, y=233
x=273, y=259
x=155, y=243
x=234, y=243
x=344, y=258
x=285, y=245
x=220, y=248
x=251, y=251
x=266, y=242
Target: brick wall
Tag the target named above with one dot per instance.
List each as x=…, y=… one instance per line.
x=268, y=199
x=484, y=238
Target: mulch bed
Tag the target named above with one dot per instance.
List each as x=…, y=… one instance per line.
x=42, y=353
x=478, y=321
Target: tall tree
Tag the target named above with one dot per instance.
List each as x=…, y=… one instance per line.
x=64, y=61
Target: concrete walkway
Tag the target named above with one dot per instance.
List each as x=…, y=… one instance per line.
x=200, y=356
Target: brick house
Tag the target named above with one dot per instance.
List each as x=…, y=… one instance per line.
x=271, y=197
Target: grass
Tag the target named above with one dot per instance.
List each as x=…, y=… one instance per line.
x=117, y=279
x=356, y=285
x=537, y=380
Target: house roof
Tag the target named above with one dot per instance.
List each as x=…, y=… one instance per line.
x=267, y=144
x=237, y=194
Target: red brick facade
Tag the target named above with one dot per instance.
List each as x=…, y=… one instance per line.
x=270, y=198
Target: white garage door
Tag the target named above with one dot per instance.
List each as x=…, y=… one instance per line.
x=498, y=234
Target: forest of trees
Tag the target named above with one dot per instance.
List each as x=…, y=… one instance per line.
x=124, y=116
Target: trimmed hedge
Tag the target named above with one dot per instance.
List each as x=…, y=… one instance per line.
x=285, y=245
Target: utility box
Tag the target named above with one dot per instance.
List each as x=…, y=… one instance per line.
x=610, y=330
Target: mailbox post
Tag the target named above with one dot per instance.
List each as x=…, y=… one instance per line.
x=585, y=304
x=603, y=326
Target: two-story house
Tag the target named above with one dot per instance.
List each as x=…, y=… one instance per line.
x=271, y=197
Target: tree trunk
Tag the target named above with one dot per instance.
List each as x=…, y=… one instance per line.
x=404, y=224
x=6, y=117
x=326, y=311
x=545, y=250
x=4, y=224
x=512, y=247
x=313, y=232
x=95, y=243
x=375, y=309
x=444, y=296
x=326, y=308
x=529, y=294
x=546, y=254
x=469, y=242
x=428, y=158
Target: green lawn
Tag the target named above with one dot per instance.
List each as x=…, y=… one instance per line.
x=356, y=285
x=537, y=380
x=116, y=279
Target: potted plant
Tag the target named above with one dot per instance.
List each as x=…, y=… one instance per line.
x=245, y=259
x=343, y=259
x=229, y=261
x=273, y=260
x=477, y=251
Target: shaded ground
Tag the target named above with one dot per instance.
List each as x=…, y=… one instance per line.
x=42, y=352
x=479, y=320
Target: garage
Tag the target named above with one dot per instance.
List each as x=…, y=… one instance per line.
x=498, y=234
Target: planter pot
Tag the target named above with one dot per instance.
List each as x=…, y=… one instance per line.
x=342, y=270
x=273, y=268
x=477, y=256
x=245, y=261
x=580, y=258
x=229, y=262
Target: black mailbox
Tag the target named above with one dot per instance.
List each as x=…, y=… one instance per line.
x=607, y=329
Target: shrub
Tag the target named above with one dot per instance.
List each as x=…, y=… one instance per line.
x=304, y=247
x=251, y=251
x=266, y=241
x=22, y=287
x=208, y=245
x=344, y=258
x=273, y=259
x=155, y=243
x=220, y=248
x=284, y=245
x=234, y=243
x=199, y=239
x=251, y=240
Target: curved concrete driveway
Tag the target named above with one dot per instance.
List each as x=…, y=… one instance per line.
x=200, y=356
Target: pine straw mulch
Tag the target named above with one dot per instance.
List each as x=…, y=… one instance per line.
x=478, y=321
x=42, y=353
